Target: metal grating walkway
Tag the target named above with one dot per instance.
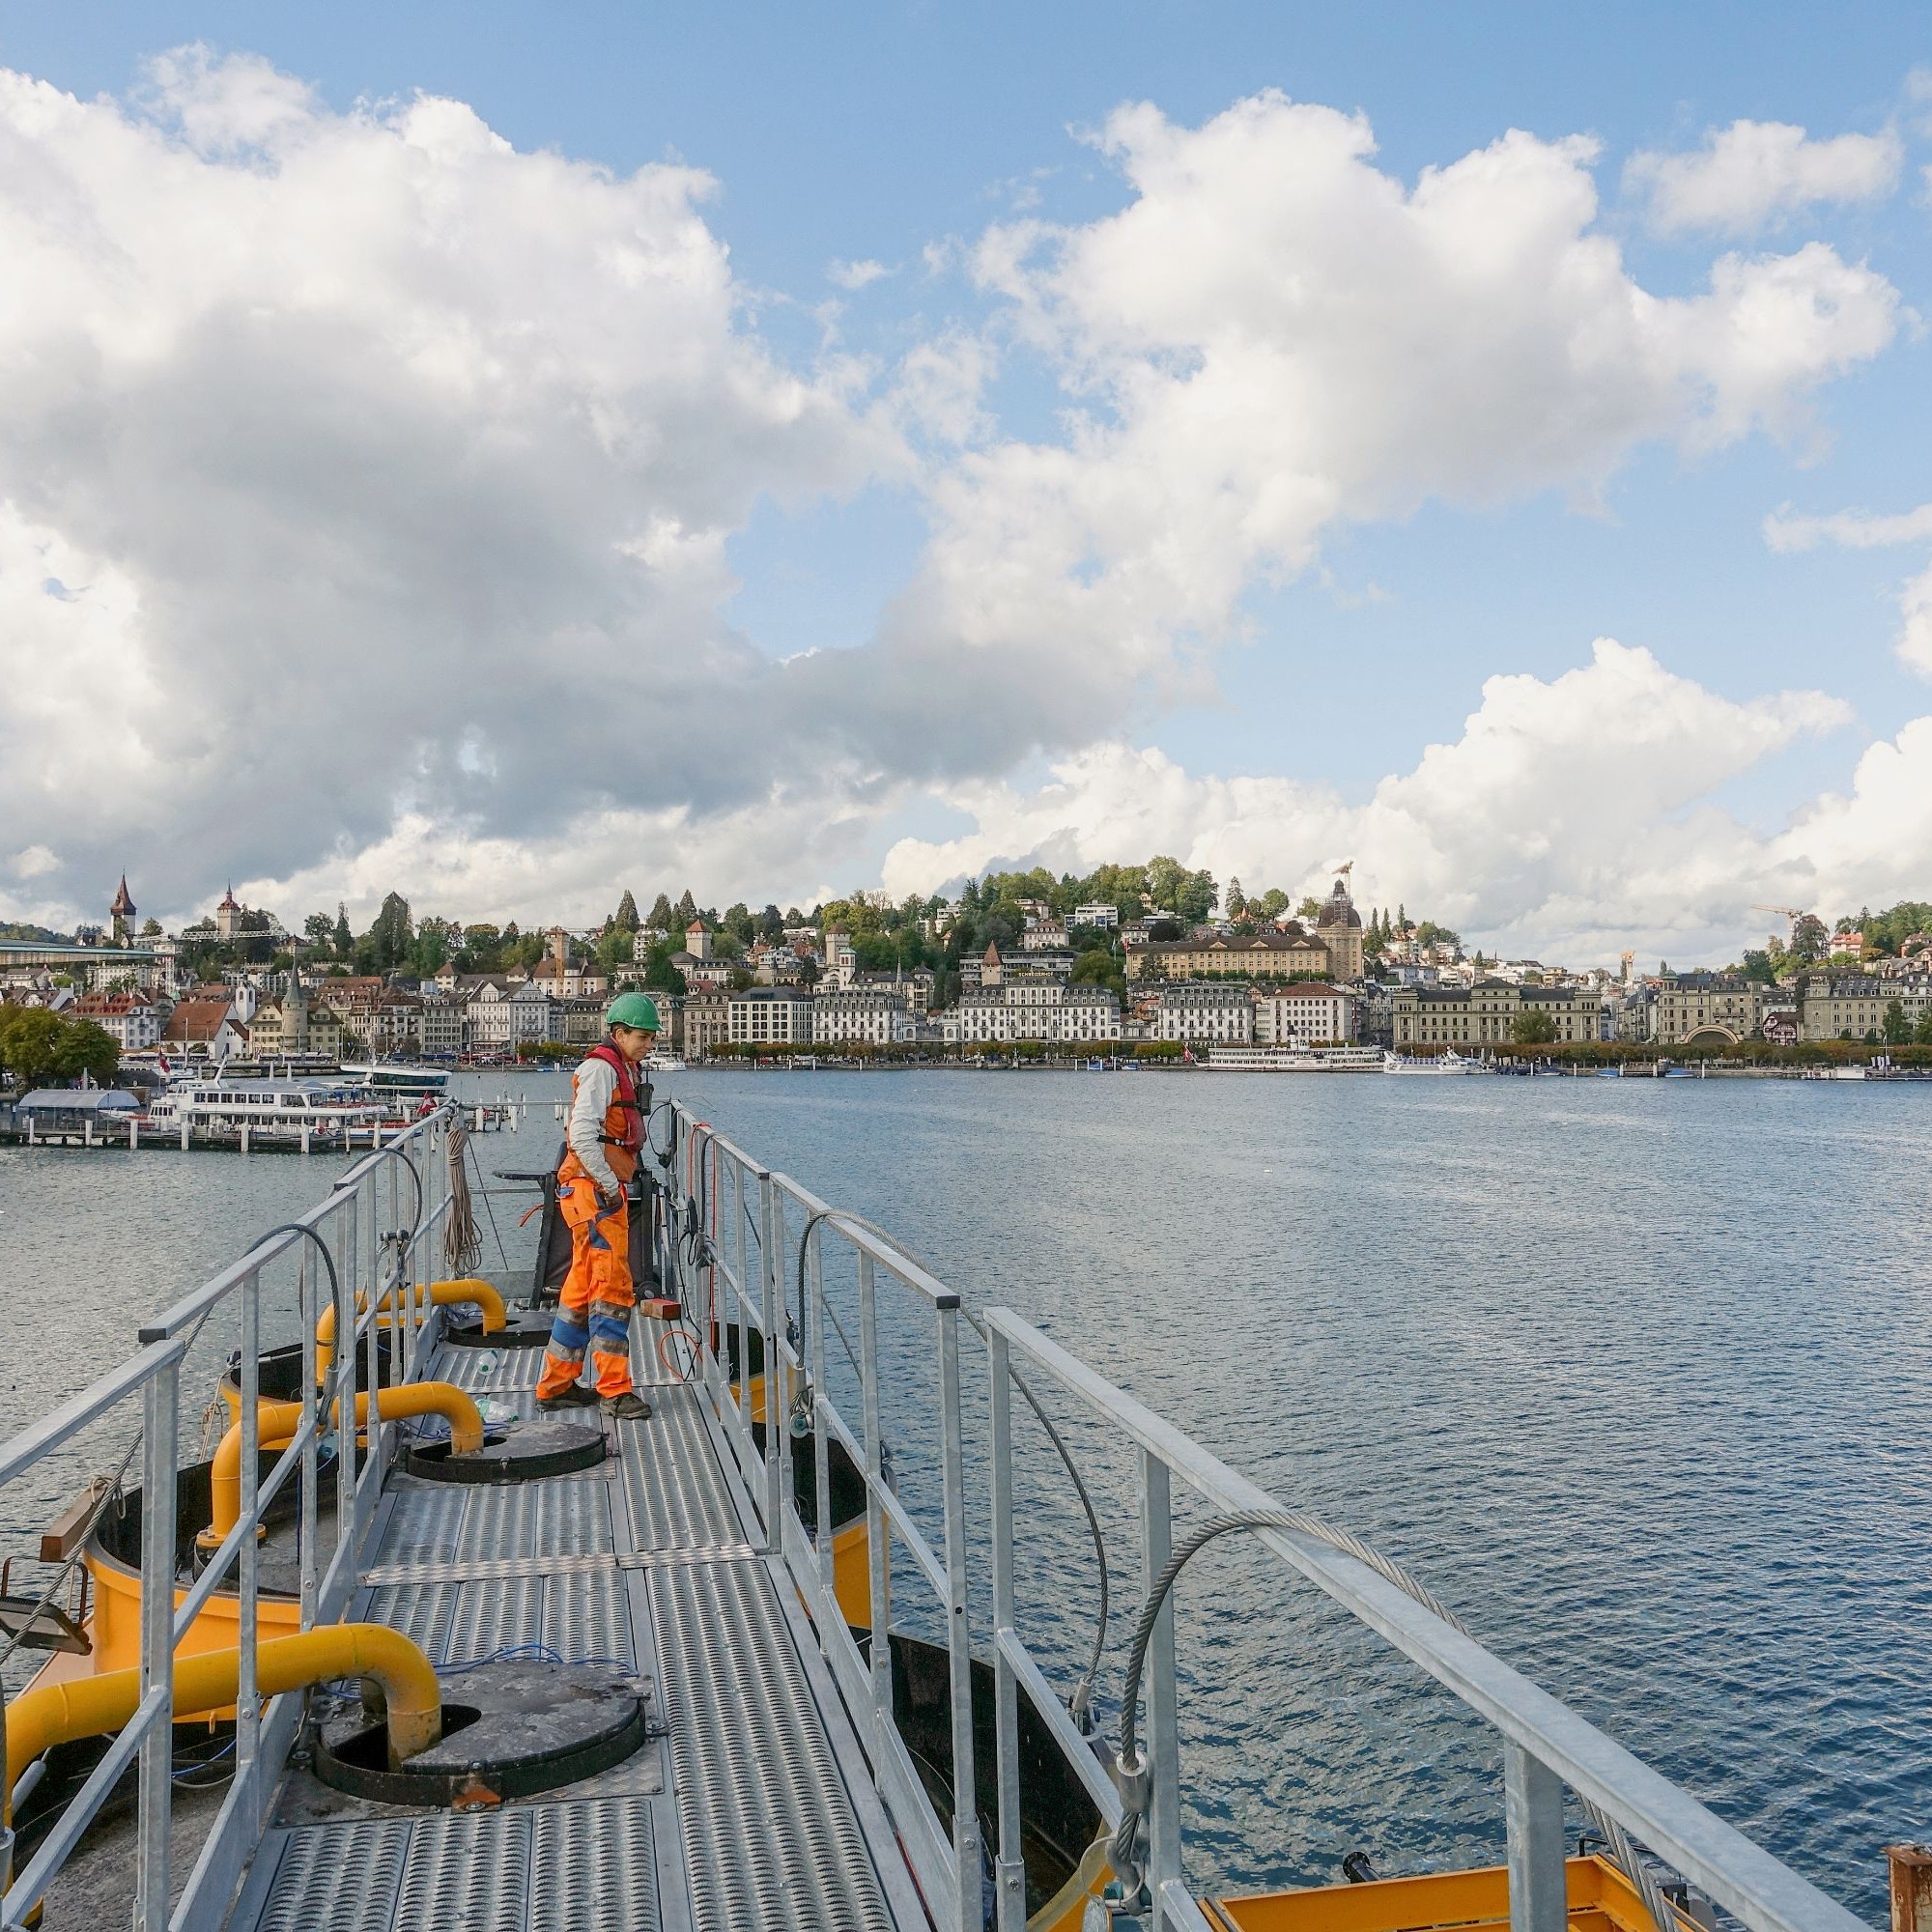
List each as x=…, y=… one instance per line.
x=749, y=1813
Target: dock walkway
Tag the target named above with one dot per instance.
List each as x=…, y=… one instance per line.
x=750, y=1806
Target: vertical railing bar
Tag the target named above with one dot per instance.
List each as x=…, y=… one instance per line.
x=773, y=1423
x=158, y=1642
x=248, y=1716
x=308, y=1531
x=777, y=1375
x=1010, y=1874
x=742, y=1219
x=959, y=1635
x=1163, y=1745
x=1533, y=1816
x=878, y=1525
x=821, y=1440
x=339, y=1399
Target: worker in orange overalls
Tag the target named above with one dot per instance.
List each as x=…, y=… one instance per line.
x=604, y=1138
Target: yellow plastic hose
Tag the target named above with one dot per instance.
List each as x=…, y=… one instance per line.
x=440, y=1293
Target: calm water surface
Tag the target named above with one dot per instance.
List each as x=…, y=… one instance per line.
x=1635, y=1375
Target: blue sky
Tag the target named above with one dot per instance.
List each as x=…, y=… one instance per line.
x=880, y=134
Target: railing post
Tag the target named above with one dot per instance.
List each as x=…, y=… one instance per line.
x=958, y=1637
x=1533, y=1810
x=339, y=1397
x=158, y=1643
x=768, y=1267
x=821, y=1440
x=878, y=1525
x=308, y=1532
x=1010, y=1871
x=1163, y=1741
x=247, y=1719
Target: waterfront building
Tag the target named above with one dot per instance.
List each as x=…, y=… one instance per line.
x=441, y=1024
x=582, y=1021
x=570, y=980
x=1307, y=1011
x=485, y=999
x=1201, y=1013
x=535, y=1018
x=1850, y=1005
x=1258, y=955
x=771, y=1015
x=133, y=1019
x=865, y=1016
x=1714, y=1004
x=707, y=1021
x=1054, y=1013
x=1483, y=1015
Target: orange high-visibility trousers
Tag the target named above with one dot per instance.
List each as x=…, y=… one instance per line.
x=595, y=1302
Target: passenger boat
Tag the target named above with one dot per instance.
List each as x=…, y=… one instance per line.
x=310, y=1112
x=1448, y=1060
x=398, y=1077
x=750, y=1664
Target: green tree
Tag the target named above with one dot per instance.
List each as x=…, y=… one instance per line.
x=151, y=929
x=436, y=940
x=660, y=974
x=663, y=915
x=1809, y=941
x=1099, y=968
x=1922, y=1034
x=1757, y=966
x=343, y=940
x=38, y=1045
x=1897, y=1028
x=1273, y=902
x=85, y=1049
x=615, y=947
x=687, y=911
x=319, y=929
x=1532, y=1026
x=393, y=933
x=1309, y=908
x=1236, y=904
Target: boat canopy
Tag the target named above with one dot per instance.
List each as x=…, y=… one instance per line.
x=78, y=1100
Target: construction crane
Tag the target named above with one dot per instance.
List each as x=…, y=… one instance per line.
x=1792, y=913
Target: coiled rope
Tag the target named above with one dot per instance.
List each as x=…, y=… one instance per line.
x=1126, y=1852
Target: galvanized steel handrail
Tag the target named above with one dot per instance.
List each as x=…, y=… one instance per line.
x=153, y=1373
x=1545, y=1741
x=948, y=1872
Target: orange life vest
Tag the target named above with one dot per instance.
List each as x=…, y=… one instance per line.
x=623, y=1135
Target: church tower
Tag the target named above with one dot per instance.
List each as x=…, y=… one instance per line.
x=122, y=911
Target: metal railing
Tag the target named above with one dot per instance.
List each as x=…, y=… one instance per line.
x=370, y=1237
x=735, y=1226
x=732, y=1236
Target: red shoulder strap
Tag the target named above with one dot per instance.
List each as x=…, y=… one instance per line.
x=627, y=1084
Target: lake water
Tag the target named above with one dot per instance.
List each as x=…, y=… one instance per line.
x=1634, y=1374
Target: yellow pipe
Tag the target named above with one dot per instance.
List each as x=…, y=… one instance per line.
x=441, y=1295
x=277, y=1422
x=84, y=1706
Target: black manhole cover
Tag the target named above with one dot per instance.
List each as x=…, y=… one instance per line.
x=523, y=1328
x=510, y=1730
x=530, y=1453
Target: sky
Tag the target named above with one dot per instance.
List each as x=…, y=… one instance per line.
x=511, y=455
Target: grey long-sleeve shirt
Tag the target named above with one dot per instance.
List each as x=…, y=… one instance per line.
x=596, y=1089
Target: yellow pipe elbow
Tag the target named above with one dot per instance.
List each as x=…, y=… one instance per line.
x=85, y=1707
x=277, y=1422
x=440, y=1293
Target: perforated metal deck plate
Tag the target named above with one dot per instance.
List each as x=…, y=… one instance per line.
x=572, y=1867
x=762, y=1830
x=771, y=1837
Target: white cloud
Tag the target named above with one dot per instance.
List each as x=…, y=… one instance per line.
x=856, y=276
x=1751, y=174
x=385, y=478
x=1857, y=529
x=35, y=862
x=1573, y=816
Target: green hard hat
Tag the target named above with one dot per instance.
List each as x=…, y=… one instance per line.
x=634, y=1009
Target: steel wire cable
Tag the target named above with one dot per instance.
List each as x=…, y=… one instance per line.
x=1125, y=1852
x=1083, y=1692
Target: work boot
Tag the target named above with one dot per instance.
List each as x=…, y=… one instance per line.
x=576, y=1394
x=630, y=1407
